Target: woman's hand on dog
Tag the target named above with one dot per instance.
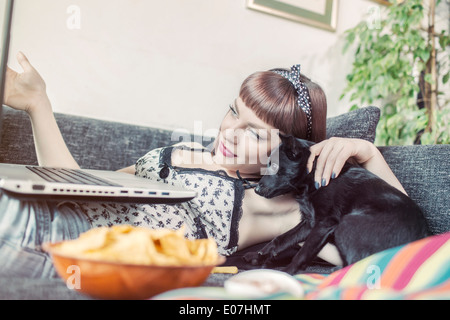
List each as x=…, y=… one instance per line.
x=334, y=152
x=332, y=155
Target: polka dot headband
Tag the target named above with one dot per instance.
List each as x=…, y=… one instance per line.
x=304, y=101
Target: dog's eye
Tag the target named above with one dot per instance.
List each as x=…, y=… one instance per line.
x=274, y=166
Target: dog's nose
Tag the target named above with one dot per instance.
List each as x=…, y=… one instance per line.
x=257, y=188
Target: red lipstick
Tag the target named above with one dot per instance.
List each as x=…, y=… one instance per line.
x=227, y=153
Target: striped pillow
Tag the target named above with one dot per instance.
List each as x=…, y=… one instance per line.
x=419, y=270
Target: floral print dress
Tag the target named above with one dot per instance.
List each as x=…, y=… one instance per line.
x=214, y=213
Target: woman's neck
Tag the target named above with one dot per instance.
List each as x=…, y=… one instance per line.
x=235, y=173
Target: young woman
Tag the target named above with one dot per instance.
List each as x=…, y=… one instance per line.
x=226, y=209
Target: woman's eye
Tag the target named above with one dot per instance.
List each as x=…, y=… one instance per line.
x=254, y=134
x=233, y=110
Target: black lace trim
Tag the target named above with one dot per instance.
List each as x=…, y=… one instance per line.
x=166, y=158
x=246, y=182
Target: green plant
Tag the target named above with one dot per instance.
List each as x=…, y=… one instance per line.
x=399, y=66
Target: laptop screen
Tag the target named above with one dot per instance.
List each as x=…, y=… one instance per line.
x=6, y=11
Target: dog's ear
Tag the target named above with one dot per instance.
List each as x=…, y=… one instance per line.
x=283, y=137
x=293, y=147
x=305, y=143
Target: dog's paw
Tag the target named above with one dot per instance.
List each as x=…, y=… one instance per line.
x=291, y=269
x=259, y=259
x=255, y=258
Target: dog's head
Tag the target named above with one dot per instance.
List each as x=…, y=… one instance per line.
x=286, y=167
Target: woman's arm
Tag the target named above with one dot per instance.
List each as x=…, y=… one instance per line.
x=334, y=152
x=130, y=170
x=27, y=91
x=51, y=149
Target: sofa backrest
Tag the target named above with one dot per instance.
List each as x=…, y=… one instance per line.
x=94, y=144
x=424, y=171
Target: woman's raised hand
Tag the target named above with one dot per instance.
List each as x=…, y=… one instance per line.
x=24, y=91
x=27, y=91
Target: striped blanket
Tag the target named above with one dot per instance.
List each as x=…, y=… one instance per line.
x=419, y=270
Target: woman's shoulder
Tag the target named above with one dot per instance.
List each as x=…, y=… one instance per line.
x=155, y=153
x=190, y=145
x=154, y=157
x=191, y=155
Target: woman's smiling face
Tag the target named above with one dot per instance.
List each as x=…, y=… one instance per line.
x=244, y=141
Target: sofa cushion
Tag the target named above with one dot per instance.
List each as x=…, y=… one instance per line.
x=17, y=144
x=360, y=123
x=423, y=172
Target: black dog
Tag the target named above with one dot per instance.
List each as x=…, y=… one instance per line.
x=358, y=212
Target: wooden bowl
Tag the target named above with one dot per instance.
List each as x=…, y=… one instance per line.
x=119, y=281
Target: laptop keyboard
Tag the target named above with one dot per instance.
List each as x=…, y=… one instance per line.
x=72, y=176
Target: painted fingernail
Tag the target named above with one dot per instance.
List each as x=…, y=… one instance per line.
x=333, y=175
x=324, y=182
x=317, y=185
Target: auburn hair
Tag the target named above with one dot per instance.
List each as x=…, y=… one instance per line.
x=274, y=100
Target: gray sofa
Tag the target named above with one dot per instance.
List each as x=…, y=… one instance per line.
x=424, y=171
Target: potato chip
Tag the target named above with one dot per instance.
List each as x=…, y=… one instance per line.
x=142, y=246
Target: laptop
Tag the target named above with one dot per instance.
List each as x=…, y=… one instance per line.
x=34, y=182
